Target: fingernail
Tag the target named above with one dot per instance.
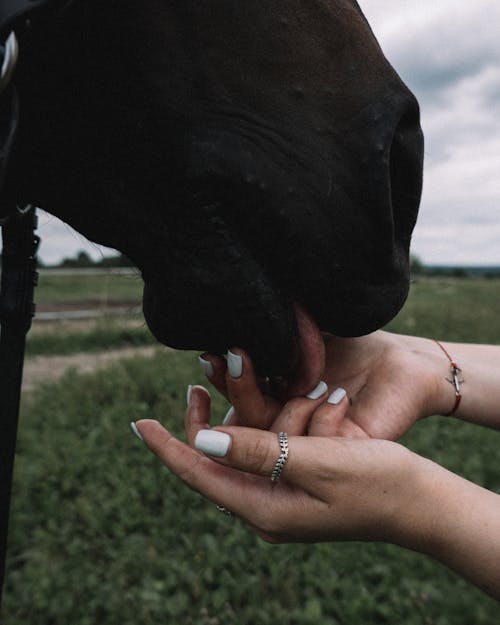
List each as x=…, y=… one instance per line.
x=318, y=391
x=188, y=394
x=234, y=364
x=135, y=430
x=337, y=396
x=228, y=416
x=213, y=443
x=207, y=367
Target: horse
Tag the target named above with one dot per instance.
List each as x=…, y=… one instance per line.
x=260, y=163
x=252, y=159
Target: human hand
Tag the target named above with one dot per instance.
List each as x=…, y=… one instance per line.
x=392, y=381
x=331, y=488
x=335, y=488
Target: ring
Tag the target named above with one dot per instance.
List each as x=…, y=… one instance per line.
x=224, y=510
x=282, y=460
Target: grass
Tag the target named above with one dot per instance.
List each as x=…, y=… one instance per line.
x=452, y=309
x=101, y=533
x=103, y=287
x=88, y=291
x=101, y=335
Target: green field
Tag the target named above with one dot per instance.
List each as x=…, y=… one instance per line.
x=452, y=309
x=99, y=335
x=102, y=534
x=78, y=286
x=88, y=291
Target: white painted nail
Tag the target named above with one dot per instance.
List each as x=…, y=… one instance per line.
x=337, y=396
x=213, y=443
x=207, y=367
x=318, y=391
x=234, y=364
x=228, y=416
x=135, y=430
x=188, y=394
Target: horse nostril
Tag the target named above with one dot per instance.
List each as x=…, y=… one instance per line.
x=406, y=162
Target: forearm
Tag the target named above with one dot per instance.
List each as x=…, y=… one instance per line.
x=456, y=522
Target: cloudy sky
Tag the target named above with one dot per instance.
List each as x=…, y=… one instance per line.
x=448, y=52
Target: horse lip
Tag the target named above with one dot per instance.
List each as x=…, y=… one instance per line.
x=312, y=353
x=204, y=322
x=311, y=357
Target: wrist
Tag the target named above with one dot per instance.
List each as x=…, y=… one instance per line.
x=430, y=368
x=443, y=399
x=479, y=388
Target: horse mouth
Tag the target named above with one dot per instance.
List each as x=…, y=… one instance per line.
x=287, y=344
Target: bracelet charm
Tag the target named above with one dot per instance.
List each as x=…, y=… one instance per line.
x=455, y=380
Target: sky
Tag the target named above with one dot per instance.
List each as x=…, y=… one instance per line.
x=448, y=53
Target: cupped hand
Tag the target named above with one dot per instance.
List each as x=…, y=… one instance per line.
x=331, y=488
x=392, y=381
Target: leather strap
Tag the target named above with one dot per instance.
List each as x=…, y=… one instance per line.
x=19, y=274
x=19, y=278
x=13, y=10
x=9, y=119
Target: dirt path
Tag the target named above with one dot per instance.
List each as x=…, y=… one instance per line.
x=50, y=368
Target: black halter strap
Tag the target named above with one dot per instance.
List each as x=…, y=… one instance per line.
x=15, y=16
x=18, y=276
x=16, y=311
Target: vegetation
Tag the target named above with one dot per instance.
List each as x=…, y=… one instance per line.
x=83, y=259
x=100, y=292
x=103, y=289
x=453, y=309
x=101, y=533
x=417, y=268
x=102, y=334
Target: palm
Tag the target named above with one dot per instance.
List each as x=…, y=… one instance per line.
x=381, y=381
x=383, y=374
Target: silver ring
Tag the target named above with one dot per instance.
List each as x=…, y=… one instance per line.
x=224, y=510
x=282, y=460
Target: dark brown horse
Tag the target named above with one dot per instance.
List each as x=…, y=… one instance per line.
x=246, y=156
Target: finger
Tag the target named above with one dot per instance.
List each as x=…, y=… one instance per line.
x=349, y=429
x=333, y=418
x=243, y=494
x=197, y=413
x=257, y=452
x=251, y=407
x=214, y=367
x=328, y=417
x=295, y=416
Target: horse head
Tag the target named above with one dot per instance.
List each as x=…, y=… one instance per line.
x=254, y=159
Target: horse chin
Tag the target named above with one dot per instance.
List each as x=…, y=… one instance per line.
x=215, y=322
x=284, y=341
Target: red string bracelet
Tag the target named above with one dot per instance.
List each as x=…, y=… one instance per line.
x=455, y=381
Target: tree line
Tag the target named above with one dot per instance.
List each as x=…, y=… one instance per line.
x=418, y=268
x=83, y=260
